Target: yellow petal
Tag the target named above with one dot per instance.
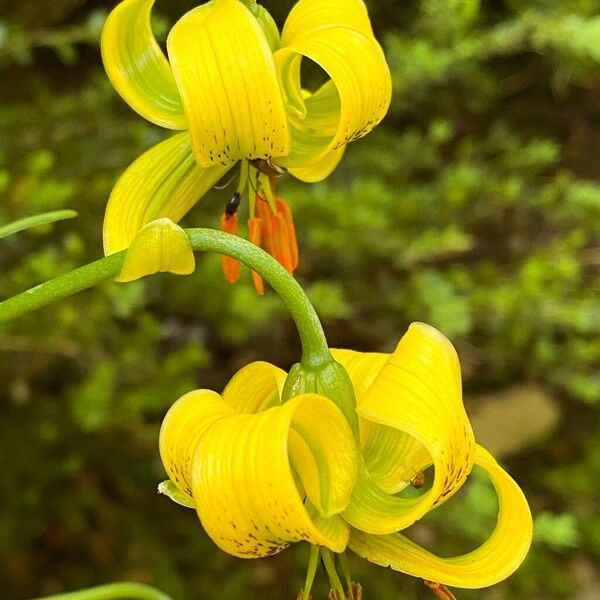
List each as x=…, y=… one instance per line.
x=255, y=388
x=180, y=431
x=242, y=470
x=315, y=170
x=492, y=562
x=164, y=182
x=352, y=103
x=225, y=72
x=308, y=16
x=159, y=246
x=243, y=467
x=362, y=367
x=313, y=123
x=392, y=457
x=418, y=393
x=327, y=477
x=136, y=66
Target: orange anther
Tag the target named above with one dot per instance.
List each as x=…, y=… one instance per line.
x=255, y=230
x=230, y=266
x=263, y=210
x=440, y=590
x=230, y=224
x=281, y=241
x=284, y=209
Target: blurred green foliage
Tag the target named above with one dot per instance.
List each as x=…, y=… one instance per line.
x=474, y=207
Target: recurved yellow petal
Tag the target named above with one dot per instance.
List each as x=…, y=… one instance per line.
x=351, y=103
x=181, y=430
x=417, y=393
x=308, y=16
x=492, y=562
x=392, y=457
x=164, y=182
x=320, y=167
x=315, y=462
x=255, y=388
x=136, y=66
x=244, y=485
x=159, y=246
x=313, y=123
x=362, y=367
x=225, y=73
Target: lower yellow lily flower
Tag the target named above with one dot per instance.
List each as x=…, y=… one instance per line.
x=232, y=84
x=263, y=473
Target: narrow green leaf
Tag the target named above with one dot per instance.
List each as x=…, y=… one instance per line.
x=29, y=222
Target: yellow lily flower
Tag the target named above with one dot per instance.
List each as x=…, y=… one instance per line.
x=233, y=86
x=232, y=458
x=245, y=462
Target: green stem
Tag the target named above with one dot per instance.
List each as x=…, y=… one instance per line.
x=315, y=351
x=314, y=345
x=112, y=591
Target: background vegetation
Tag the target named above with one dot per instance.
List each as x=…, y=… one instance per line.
x=475, y=207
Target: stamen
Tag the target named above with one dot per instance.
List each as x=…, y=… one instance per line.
x=230, y=266
x=284, y=209
x=313, y=563
x=244, y=176
x=255, y=227
x=440, y=590
x=252, y=183
x=266, y=186
x=337, y=590
x=281, y=241
x=264, y=212
x=346, y=573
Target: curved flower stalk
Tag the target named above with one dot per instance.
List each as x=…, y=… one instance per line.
x=263, y=471
x=232, y=85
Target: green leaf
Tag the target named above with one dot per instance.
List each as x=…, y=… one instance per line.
x=29, y=222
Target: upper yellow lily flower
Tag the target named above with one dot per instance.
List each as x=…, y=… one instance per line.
x=262, y=473
x=233, y=86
